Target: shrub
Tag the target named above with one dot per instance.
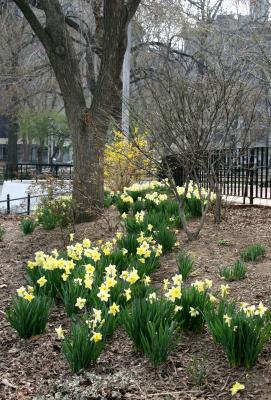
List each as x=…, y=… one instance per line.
x=166, y=238
x=27, y=225
x=78, y=348
x=234, y=273
x=242, y=333
x=29, y=317
x=2, y=232
x=253, y=253
x=124, y=160
x=185, y=264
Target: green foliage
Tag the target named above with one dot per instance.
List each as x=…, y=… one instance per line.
x=194, y=304
x=150, y=265
x=185, y=264
x=157, y=219
x=137, y=206
x=108, y=201
x=135, y=194
x=40, y=126
x=69, y=293
x=224, y=242
x=157, y=343
x=53, y=277
x=29, y=318
x=117, y=258
x=234, y=273
x=197, y=370
x=55, y=211
x=193, y=206
x=170, y=208
x=79, y=350
x=47, y=220
x=136, y=318
x=128, y=242
x=166, y=238
x=2, y=232
x=122, y=207
x=28, y=225
x=242, y=333
x=253, y=253
x=132, y=226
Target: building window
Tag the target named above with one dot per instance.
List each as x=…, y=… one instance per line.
x=3, y=152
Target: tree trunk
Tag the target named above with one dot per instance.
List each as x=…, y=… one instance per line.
x=88, y=126
x=88, y=156
x=12, y=149
x=26, y=151
x=218, y=204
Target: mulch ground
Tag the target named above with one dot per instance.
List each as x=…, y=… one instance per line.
x=198, y=369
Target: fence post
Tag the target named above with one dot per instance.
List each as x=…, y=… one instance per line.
x=28, y=204
x=251, y=168
x=8, y=204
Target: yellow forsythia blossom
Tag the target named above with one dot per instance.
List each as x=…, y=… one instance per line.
x=125, y=161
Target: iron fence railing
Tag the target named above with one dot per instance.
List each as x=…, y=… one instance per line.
x=240, y=173
x=34, y=171
x=23, y=205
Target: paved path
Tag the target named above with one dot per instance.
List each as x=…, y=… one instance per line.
x=239, y=200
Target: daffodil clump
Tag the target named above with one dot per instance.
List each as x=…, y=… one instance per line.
x=150, y=324
x=191, y=302
x=28, y=312
x=241, y=330
x=53, y=212
x=196, y=198
x=145, y=186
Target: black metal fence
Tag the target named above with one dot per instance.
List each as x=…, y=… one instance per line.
x=22, y=205
x=29, y=171
x=240, y=173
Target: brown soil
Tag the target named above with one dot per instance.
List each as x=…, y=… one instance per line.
x=36, y=368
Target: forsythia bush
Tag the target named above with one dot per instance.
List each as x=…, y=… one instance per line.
x=125, y=161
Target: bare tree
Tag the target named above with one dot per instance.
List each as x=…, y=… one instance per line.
x=105, y=34
x=204, y=121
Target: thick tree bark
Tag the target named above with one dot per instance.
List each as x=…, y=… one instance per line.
x=88, y=126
